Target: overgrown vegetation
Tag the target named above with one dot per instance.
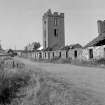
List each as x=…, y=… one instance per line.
x=36, y=87
x=10, y=85
x=89, y=63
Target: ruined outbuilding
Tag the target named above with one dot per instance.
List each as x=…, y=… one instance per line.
x=96, y=48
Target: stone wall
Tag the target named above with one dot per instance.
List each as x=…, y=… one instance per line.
x=57, y=53
x=10, y=63
x=51, y=54
x=63, y=54
x=85, y=54
x=99, y=52
x=71, y=53
x=77, y=53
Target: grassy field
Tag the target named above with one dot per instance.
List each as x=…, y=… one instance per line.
x=37, y=87
x=83, y=84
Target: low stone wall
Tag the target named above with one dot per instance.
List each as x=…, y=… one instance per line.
x=13, y=64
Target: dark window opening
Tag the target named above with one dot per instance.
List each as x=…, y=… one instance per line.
x=75, y=54
x=59, y=54
x=48, y=55
x=40, y=55
x=90, y=53
x=66, y=54
x=45, y=54
x=53, y=54
x=55, y=33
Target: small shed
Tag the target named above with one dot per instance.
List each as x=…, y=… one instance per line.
x=75, y=51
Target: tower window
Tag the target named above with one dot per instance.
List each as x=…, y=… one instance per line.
x=55, y=21
x=55, y=33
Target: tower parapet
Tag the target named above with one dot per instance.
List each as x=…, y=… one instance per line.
x=55, y=14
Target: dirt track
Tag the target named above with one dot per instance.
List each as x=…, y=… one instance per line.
x=84, y=77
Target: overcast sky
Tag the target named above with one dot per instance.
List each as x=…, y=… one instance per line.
x=21, y=20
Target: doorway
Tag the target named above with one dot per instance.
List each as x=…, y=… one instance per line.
x=90, y=53
x=75, y=53
x=53, y=55
x=60, y=54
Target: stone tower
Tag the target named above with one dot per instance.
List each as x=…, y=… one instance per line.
x=53, y=30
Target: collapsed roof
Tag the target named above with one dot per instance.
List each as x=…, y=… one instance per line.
x=98, y=41
x=72, y=46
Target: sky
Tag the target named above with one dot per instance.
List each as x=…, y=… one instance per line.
x=21, y=20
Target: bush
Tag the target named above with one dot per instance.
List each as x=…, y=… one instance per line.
x=10, y=85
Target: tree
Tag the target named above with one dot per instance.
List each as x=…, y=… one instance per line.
x=36, y=45
x=12, y=52
x=32, y=47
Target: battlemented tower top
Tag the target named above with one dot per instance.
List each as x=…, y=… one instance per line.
x=55, y=14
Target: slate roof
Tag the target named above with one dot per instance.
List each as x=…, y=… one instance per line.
x=98, y=41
